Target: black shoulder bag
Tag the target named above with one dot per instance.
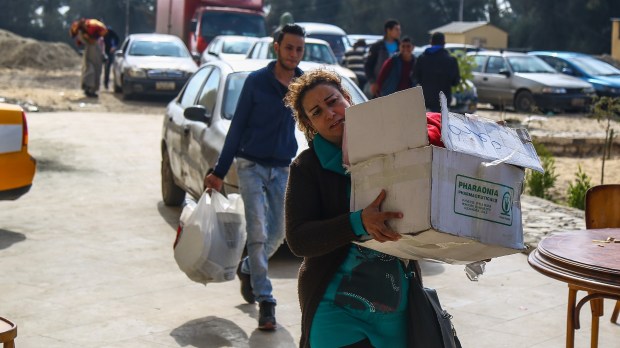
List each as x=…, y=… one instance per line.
x=431, y=326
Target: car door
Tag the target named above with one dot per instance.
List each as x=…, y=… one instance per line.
x=498, y=85
x=119, y=60
x=201, y=156
x=176, y=127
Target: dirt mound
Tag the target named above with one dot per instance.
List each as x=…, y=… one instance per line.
x=19, y=52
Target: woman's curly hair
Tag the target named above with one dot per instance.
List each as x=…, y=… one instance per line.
x=300, y=86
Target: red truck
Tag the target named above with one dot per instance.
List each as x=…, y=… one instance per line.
x=197, y=22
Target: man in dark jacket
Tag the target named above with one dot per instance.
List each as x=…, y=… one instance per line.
x=379, y=52
x=436, y=71
x=262, y=139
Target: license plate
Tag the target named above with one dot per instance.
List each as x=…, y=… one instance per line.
x=164, y=86
x=577, y=102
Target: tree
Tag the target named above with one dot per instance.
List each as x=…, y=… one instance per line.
x=606, y=109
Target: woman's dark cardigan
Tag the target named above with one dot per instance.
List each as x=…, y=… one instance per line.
x=317, y=229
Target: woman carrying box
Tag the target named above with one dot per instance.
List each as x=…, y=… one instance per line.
x=350, y=296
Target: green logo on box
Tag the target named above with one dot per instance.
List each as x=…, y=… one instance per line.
x=483, y=200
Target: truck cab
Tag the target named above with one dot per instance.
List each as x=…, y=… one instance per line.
x=197, y=22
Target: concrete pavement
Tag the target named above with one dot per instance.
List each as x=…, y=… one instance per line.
x=86, y=259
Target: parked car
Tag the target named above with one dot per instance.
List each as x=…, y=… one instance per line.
x=335, y=36
x=227, y=47
x=527, y=83
x=153, y=64
x=454, y=48
x=198, y=119
x=603, y=76
x=315, y=50
x=17, y=167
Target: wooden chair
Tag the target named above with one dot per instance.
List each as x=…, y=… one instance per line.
x=602, y=211
x=8, y=332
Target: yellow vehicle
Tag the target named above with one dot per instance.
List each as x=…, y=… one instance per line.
x=17, y=167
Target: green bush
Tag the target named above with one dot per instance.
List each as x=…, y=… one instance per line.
x=540, y=184
x=577, y=191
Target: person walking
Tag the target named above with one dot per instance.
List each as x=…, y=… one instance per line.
x=397, y=72
x=111, y=41
x=89, y=33
x=436, y=71
x=350, y=296
x=379, y=52
x=262, y=139
x=354, y=60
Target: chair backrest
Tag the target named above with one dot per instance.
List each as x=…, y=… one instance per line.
x=8, y=332
x=603, y=206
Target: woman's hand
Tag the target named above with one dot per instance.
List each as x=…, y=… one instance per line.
x=374, y=220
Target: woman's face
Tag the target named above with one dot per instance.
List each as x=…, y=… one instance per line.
x=325, y=105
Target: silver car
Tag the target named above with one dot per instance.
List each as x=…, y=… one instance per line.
x=227, y=47
x=197, y=120
x=154, y=64
x=527, y=83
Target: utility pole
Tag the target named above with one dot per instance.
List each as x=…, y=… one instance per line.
x=461, y=11
x=127, y=18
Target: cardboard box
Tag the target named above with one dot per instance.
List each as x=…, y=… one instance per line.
x=460, y=203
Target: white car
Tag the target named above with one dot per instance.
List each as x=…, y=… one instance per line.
x=334, y=35
x=227, y=47
x=156, y=64
x=315, y=50
x=197, y=120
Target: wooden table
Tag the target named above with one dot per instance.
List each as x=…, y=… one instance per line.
x=580, y=259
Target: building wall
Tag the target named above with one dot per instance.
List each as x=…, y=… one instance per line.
x=486, y=36
x=615, y=38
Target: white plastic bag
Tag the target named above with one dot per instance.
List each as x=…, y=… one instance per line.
x=211, y=238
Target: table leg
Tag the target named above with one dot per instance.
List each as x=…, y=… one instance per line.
x=570, y=325
x=596, y=306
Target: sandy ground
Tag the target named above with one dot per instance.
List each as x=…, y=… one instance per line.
x=58, y=90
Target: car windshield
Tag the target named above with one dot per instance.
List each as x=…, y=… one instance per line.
x=235, y=81
x=529, y=64
x=338, y=43
x=593, y=66
x=319, y=53
x=157, y=48
x=313, y=52
x=213, y=24
x=236, y=47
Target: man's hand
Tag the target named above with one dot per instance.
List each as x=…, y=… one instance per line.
x=374, y=219
x=213, y=182
x=374, y=89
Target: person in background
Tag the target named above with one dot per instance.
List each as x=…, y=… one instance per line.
x=379, y=52
x=436, y=71
x=262, y=139
x=89, y=33
x=397, y=72
x=354, y=60
x=350, y=296
x=111, y=41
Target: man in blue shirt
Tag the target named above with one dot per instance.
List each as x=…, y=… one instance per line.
x=262, y=139
x=379, y=52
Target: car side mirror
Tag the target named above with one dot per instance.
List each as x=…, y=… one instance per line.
x=198, y=113
x=504, y=72
x=192, y=25
x=118, y=53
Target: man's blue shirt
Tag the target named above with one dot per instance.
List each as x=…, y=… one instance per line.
x=262, y=129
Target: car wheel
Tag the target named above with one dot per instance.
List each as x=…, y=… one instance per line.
x=117, y=88
x=172, y=194
x=126, y=91
x=524, y=102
